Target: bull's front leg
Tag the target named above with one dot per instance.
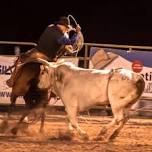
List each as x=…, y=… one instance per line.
x=12, y=105
x=70, y=125
x=42, y=122
x=73, y=121
x=4, y=125
x=14, y=130
x=10, y=110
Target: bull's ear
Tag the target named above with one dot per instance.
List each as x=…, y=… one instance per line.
x=46, y=67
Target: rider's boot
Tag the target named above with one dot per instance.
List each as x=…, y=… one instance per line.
x=11, y=80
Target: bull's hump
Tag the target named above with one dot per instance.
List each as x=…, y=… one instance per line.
x=126, y=73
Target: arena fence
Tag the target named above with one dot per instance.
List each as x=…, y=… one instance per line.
x=129, y=48
x=17, y=43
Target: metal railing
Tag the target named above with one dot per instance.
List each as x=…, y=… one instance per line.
x=129, y=48
x=18, y=43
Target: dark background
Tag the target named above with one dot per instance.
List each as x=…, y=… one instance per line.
x=102, y=21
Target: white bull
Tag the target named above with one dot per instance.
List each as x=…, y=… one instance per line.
x=81, y=89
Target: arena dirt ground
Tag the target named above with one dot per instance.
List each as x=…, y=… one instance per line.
x=136, y=136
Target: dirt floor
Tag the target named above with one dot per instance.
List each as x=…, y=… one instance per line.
x=136, y=136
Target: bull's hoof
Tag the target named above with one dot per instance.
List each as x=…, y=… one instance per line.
x=3, y=126
x=99, y=138
x=14, y=131
x=67, y=135
x=24, y=126
x=41, y=131
x=26, y=132
x=111, y=138
x=84, y=137
x=103, y=131
x=103, y=139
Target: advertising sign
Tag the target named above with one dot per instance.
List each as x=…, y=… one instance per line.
x=5, y=91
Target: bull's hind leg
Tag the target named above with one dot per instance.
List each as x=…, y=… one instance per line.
x=122, y=94
x=104, y=130
x=111, y=131
x=120, y=107
x=120, y=117
x=13, y=100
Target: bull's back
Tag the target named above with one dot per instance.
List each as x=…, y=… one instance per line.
x=85, y=88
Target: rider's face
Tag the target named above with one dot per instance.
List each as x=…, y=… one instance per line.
x=64, y=29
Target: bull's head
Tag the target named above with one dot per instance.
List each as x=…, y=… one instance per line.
x=46, y=73
x=46, y=77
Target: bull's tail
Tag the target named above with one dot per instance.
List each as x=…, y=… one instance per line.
x=140, y=84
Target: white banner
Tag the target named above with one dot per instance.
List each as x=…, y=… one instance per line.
x=5, y=91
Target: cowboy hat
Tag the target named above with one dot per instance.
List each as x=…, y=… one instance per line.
x=63, y=21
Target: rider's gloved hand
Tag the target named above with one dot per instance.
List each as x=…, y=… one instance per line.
x=78, y=28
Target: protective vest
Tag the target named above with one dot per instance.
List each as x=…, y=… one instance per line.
x=48, y=41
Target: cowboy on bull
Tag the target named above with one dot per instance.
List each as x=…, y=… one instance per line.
x=50, y=45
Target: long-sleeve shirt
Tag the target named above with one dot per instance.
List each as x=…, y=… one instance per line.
x=66, y=41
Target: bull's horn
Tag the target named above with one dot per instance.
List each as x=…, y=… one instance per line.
x=39, y=60
x=50, y=64
x=43, y=61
